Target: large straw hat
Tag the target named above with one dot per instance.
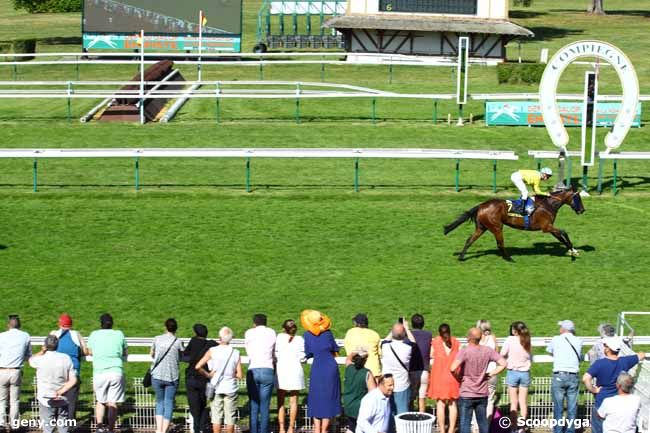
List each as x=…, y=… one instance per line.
x=315, y=322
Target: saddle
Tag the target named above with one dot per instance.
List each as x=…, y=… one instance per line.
x=516, y=208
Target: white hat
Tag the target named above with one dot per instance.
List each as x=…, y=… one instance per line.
x=567, y=325
x=547, y=171
x=614, y=343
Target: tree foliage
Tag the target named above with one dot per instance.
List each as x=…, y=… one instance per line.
x=52, y=6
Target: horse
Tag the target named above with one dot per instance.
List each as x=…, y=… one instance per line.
x=493, y=214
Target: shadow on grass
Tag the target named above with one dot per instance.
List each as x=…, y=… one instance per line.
x=3, y=247
x=630, y=12
x=526, y=14
x=545, y=33
x=61, y=40
x=538, y=249
x=627, y=182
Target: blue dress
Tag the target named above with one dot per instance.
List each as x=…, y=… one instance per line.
x=324, y=398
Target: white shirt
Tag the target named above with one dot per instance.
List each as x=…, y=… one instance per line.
x=620, y=413
x=390, y=364
x=260, y=344
x=227, y=384
x=53, y=370
x=15, y=348
x=374, y=413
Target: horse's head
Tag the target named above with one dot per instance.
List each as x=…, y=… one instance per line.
x=571, y=197
x=575, y=200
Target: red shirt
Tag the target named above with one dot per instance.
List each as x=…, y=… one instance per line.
x=474, y=361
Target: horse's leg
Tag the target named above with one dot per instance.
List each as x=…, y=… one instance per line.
x=563, y=237
x=477, y=234
x=498, y=235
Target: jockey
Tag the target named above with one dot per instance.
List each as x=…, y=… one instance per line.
x=524, y=178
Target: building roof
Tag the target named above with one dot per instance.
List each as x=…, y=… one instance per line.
x=427, y=23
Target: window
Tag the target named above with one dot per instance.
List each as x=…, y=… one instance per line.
x=462, y=7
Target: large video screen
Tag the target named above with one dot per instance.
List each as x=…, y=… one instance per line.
x=162, y=17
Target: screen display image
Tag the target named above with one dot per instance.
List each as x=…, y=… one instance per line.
x=166, y=17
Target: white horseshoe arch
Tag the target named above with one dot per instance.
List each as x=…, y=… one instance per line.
x=551, y=78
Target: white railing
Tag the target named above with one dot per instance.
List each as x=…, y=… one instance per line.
x=260, y=153
x=239, y=344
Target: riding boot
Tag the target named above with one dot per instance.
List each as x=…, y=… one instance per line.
x=529, y=206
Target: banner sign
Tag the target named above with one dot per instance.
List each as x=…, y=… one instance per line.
x=162, y=43
x=529, y=113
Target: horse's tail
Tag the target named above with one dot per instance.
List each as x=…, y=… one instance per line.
x=470, y=214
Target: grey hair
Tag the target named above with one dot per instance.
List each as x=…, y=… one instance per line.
x=51, y=343
x=606, y=330
x=226, y=334
x=484, y=326
x=625, y=382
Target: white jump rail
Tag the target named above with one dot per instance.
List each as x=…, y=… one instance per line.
x=535, y=97
x=408, y=153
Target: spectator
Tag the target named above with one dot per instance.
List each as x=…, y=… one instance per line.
x=195, y=381
x=324, y=397
x=260, y=345
x=108, y=349
x=420, y=359
x=443, y=386
x=396, y=351
x=357, y=382
x=374, y=411
x=620, y=412
x=72, y=344
x=290, y=354
x=362, y=337
x=566, y=350
x=473, y=361
x=166, y=352
x=15, y=350
x=605, y=330
x=225, y=370
x=489, y=339
x=517, y=350
x=606, y=371
x=55, y=378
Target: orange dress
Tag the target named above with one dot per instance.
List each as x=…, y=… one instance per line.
x=442, y=384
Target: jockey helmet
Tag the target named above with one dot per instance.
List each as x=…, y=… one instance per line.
x=547, y=171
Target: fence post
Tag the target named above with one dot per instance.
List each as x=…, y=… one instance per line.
x=69, y=102
x=494, y=176
x=435, y=111
x=600, y=176
x=218, y=104
x=614, y=184
x=356, y=175
x=568, y=176
x=261, y=69
x=35, y=175
x=585, y=171
x=374, y=111
x=322, y=70
x=77, y=68
x=539, y=164
x=137, y=173
x=390, y=71
x=457, y=180
x=248, y=174
x=297, y=113
x=15, y=71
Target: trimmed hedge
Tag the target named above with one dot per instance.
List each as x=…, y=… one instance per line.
x=518, y=73
x=51, y=6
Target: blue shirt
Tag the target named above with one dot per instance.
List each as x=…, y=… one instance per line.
x=15, y=348
x=606, y=371
x=565, y=358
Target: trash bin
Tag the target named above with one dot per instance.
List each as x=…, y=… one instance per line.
x=414, y=422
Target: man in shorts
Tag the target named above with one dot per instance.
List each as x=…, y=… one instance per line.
x=108, y=349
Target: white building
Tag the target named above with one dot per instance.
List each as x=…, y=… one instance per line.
x=427, y=27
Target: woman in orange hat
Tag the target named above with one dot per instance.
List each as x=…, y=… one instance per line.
x=324, y=398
